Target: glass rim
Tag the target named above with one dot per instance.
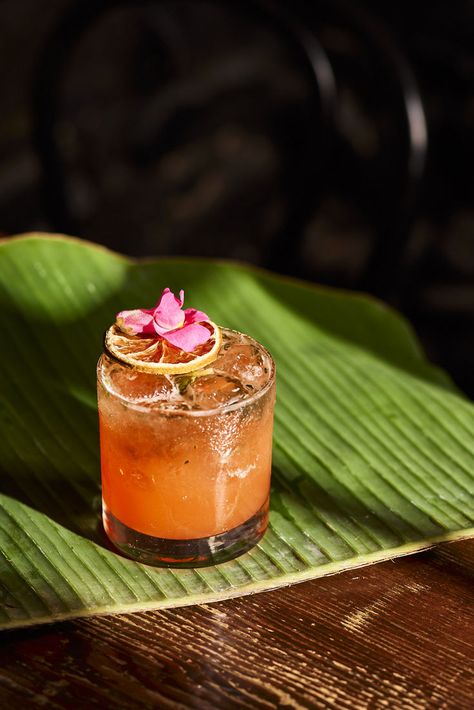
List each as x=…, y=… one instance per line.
x=251, y=399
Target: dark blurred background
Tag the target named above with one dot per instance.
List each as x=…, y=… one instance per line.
x=329, y=140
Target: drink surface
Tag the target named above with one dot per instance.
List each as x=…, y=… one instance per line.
x=188, y=456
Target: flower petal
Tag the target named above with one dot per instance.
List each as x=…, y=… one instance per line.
x=168, y=313
x=188, y=337
x=135, y=322
x=191, y=315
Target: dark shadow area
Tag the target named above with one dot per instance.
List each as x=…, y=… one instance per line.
x=454, y=561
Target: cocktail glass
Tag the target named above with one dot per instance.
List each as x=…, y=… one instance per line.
x=186, y=459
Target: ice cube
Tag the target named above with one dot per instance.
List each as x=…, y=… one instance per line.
x=213, y=391
x=139, y=387
x=244, y=361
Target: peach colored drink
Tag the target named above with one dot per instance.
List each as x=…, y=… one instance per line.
x=186, y=459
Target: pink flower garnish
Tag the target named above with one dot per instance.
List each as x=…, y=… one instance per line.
x=167, y=320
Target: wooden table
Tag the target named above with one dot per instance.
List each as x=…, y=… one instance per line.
x=395, y=635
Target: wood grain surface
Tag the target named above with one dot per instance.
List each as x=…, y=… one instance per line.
x=394, y=635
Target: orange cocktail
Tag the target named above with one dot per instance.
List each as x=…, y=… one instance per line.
x=186, y=458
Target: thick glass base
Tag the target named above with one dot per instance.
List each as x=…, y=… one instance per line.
x=197, y=552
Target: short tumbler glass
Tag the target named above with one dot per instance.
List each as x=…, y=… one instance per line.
x=186, y=460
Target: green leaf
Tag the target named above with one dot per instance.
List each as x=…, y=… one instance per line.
x=373, y=448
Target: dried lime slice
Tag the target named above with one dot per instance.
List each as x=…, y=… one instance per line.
x=156, y=355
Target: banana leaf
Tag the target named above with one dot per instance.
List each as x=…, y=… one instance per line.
x=373, y=446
